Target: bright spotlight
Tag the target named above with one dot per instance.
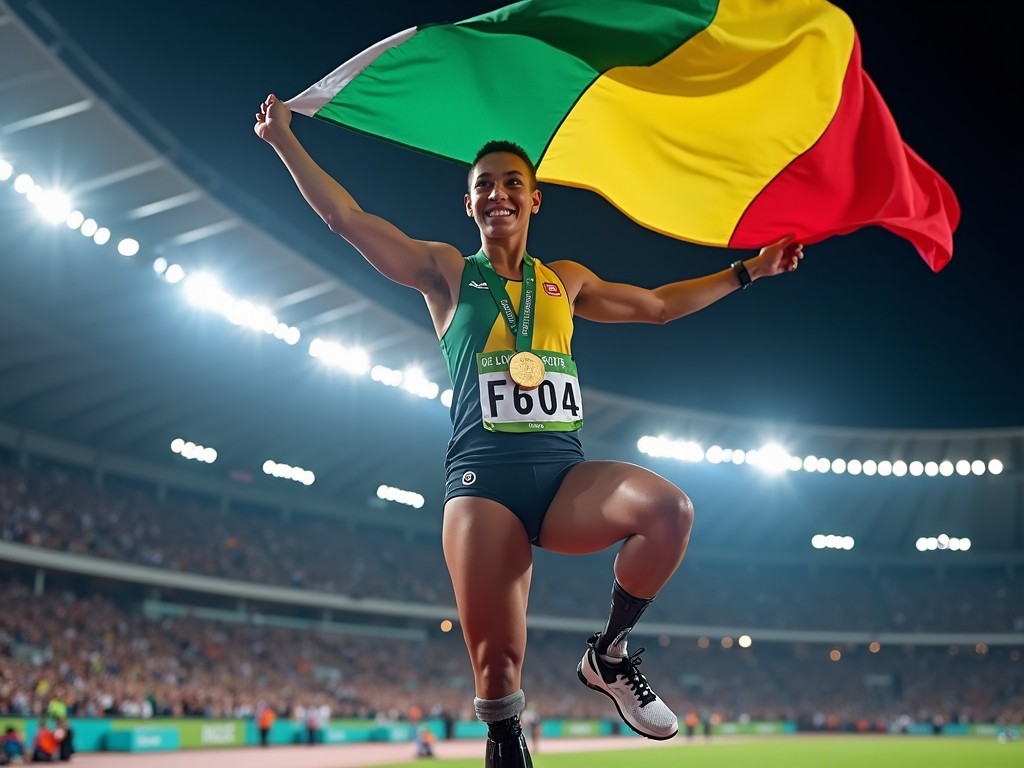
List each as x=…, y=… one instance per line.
x=6, y=170
x=128, y=247
x=75, y=219
x=773, y=458
x=175, y=273
x=23, y=184
x=102, y=236
x=54, y=206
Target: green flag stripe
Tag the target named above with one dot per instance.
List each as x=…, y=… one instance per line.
x=603, y=33
x=442, y=89
x=524, y=65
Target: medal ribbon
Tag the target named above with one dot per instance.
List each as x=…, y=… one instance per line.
x=521, y=326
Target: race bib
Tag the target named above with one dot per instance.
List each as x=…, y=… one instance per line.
x=554, y=406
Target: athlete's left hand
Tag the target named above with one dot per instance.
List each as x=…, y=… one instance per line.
x=783, y=255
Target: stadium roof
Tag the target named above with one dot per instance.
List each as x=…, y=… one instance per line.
x=97, y=349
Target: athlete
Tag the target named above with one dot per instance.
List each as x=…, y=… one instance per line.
x=516, y=472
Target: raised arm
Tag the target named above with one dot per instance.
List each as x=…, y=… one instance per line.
x=602, y=301
x=418, y=264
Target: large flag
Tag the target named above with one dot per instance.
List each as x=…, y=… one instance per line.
x=723, y=122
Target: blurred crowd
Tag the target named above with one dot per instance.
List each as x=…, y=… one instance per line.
x=92, y=649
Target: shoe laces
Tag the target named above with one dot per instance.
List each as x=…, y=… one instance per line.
x=628, y=669
x=635, y=678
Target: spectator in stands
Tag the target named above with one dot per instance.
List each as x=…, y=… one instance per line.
x=44, y=746
x=65, y=736
x=265, y=719
x=13, y=747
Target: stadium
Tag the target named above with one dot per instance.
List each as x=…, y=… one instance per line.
x=222, y=437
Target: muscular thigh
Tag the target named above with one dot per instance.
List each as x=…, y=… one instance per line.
x=602, y=502
x=490, y=560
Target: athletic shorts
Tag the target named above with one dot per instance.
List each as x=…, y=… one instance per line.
x=527, y=490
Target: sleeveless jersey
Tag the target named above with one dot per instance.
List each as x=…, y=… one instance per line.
x=479, y=340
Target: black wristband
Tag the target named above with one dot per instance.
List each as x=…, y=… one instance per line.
x=741, y=272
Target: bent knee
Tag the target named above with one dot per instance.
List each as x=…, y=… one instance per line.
x=675, y=515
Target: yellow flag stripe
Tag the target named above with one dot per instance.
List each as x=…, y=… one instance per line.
x=710, y=125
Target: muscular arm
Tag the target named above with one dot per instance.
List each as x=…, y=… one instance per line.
x=607, y=302
x=418, y=264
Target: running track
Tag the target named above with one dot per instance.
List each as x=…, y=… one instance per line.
x=349, y=755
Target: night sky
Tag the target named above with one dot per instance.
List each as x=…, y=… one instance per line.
x=864, y=334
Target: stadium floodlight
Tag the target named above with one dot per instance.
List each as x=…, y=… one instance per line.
x=414, y=382
x=832, y=541
x=995, y=466
x=288, y=472
x=744, y=641
x=771, y=458
x=899, y=468
x=6, y=170
x=88, y=228
x=160, y=265
x=24, y=184
x=193, y=451
x=946, y=468
x=916, y=468
x=446, y=398
x=102, y=236
x=667, y=448
x=838, y=466
x=203, y=290
x=943, y=542
x=397, y=495
x=386, y=376
x=53, y=205
x=714, y=454
x=129, y=246
x=351, y=359
x=75, y=219
x=174, y=273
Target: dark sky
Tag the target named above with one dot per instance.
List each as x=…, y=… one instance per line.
x=864, y=334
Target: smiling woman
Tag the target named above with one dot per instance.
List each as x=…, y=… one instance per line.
x=516, y=476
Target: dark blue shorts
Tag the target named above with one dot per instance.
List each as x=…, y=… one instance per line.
x=527, y=490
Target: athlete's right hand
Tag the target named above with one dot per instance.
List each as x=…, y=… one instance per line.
x=273, y=119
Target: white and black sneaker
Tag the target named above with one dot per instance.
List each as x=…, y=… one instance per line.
x=638, y=705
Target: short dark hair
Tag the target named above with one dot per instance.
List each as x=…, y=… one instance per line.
x=501, y=145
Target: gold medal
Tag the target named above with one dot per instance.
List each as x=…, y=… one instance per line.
x=526, y=370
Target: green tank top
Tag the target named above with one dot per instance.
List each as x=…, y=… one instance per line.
x=493, y=421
